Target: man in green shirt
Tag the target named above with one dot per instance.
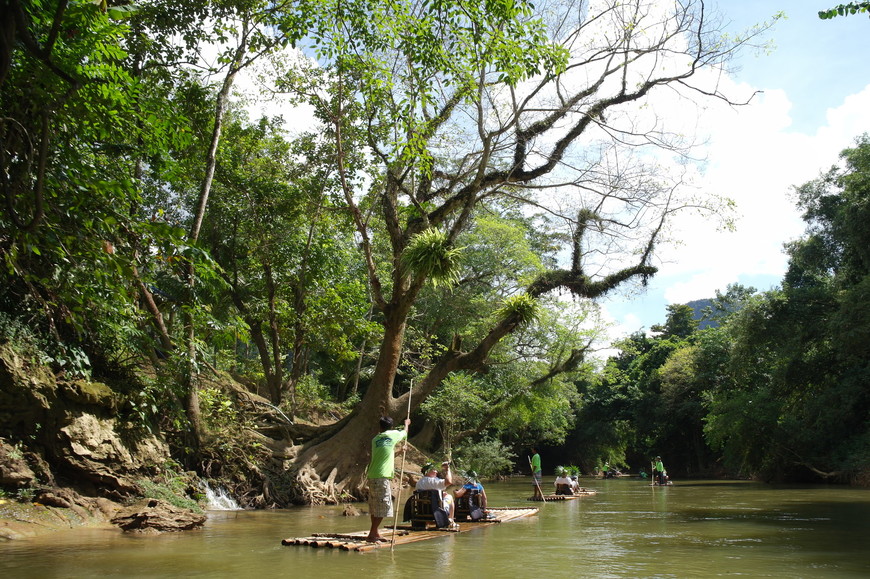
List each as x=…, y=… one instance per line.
x=380, y=474
x=535, y=463
x=659, y=471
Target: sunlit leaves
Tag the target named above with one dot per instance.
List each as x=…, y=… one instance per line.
x=405, y=56
x=457, y=403
x=844, y=10
x=523, y=307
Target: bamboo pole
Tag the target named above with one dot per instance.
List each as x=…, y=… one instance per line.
x=401, y=473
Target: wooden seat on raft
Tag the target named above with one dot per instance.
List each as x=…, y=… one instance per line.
x=563, y=489
x=467, y=504
x=419, y=510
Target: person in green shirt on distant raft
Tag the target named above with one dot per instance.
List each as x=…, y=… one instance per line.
x=537, y=473
x=380, y=474
x=660, y=476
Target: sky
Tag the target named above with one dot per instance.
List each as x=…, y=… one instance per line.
x=815, y=101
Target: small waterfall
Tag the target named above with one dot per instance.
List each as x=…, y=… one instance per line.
x=218, y=499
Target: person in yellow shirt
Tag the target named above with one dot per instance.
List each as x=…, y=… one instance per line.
x=380, y=474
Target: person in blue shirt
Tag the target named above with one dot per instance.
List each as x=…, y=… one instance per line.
x=472, y=484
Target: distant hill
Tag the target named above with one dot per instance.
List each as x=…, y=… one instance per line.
x=698, y=307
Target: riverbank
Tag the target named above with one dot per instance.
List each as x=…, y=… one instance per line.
x=26, y=520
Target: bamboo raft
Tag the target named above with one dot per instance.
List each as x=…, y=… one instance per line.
x=583, y=492
x=404, y=534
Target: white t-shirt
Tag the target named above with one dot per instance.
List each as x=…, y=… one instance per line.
x=431, y=483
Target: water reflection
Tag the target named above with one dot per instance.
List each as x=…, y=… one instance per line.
x=693, y=529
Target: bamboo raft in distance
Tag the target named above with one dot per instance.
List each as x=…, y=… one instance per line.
x=404, y=534
x=554, y=497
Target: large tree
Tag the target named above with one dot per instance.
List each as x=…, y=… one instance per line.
x=462, y=102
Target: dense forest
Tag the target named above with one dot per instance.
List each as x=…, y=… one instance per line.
x=421, y=226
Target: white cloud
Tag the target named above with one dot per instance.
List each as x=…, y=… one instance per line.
x=755, y=159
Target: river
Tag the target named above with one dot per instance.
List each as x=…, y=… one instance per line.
x=629, y=529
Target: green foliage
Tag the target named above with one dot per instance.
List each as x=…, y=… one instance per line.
x=680, y=322
x=844, y=10
x=789, y=401
x=172, y=485
x=143, y=407
x=572, y=470
x=440, y=42
x=489, y=457
x=457, y=403
x=73, y=235
x=16, y=452
x=314, y=398
x=543, y=412
x=288, y=260
x=311, y=390
x=42, y=349
x=648, y=400
x=218, y=408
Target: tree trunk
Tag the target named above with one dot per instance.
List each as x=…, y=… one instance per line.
x=427, y=437
x=338, y=465
x=276, y=377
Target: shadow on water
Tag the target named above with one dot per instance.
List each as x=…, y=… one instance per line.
x=708, y=484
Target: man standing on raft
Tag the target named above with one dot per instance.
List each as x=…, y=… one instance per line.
x=537, y=472
x=380, y=474
x=659, y=474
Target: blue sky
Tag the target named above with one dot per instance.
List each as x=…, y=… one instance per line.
x=816, y=100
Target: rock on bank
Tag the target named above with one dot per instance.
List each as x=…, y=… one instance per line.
x=65, y=458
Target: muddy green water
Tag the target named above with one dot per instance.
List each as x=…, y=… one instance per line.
x=629, y=529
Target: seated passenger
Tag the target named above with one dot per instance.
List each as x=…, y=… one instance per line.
x=472, y=485
x=563, y=483
x=575, y=486
x=432, y=482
